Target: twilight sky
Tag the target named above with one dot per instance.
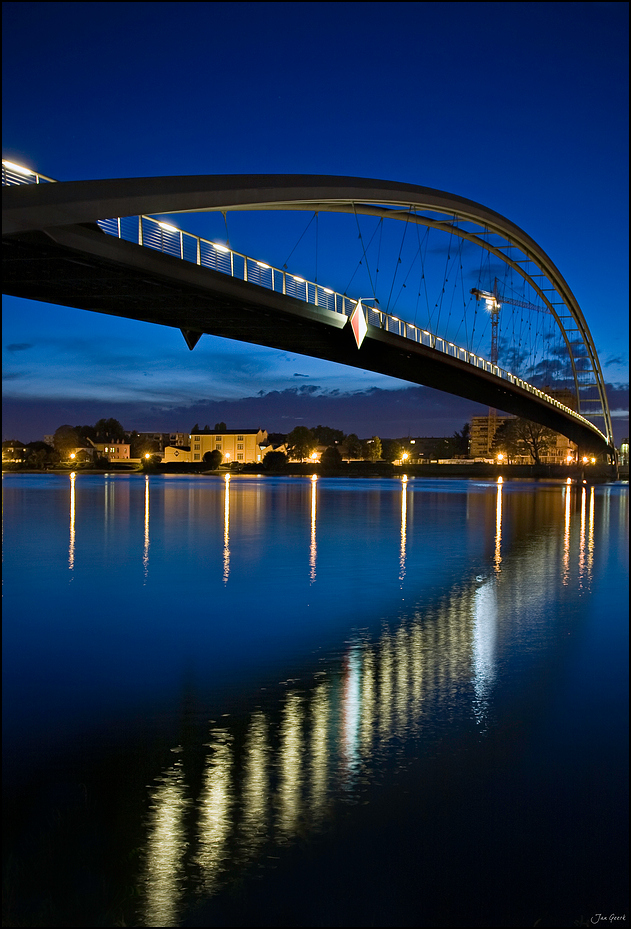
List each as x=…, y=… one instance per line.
x=519, y=106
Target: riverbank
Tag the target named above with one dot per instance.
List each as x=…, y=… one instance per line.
x=598, y=473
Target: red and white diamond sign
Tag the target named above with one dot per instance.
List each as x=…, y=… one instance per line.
x=358, y=323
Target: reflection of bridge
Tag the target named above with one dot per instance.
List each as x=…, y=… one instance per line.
x=55, y=251
x=434, y=669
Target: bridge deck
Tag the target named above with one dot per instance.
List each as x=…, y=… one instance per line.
x=82, y=267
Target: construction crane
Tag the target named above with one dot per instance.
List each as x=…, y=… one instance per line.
x=494, y=301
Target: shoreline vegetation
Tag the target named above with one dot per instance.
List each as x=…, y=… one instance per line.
x=360, y=469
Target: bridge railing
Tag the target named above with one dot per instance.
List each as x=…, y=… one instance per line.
x=162, y=236
x=13, y=174
x=152, y=233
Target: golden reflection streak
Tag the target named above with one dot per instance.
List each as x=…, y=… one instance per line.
x=71, y=544
x=226, y=530
x=388, y=684
x=255, y=785
x=312, y=549
x=417, y=670
x=319, y=747
x=145, y=553
x=215, y=805
x=581, y=548
x=351, y=711
x=566, y=535
x=402, y=694
x=369, y=699
x=484, y=647
x=166, y=846
x=290, y=764
x=385, y=688
x=404, y=505
x=590, y=539
x=498, y=527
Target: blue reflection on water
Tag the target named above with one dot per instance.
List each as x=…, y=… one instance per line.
x=351, y=629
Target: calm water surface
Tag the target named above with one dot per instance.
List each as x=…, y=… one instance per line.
x=271, y=701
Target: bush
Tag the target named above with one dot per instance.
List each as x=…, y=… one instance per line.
x=275, y=461
x=331, y=458
x=213, y=459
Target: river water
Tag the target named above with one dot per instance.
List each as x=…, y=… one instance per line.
x=314, y=702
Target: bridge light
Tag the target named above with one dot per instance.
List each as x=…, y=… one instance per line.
x=220, y=248
x=327, y=290
x=18, y=168
x=261, y=264
x=300, y=280
x=168, y=227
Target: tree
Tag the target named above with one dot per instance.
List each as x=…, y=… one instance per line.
x=275, y=461
x=213, y=459
x=352, y=447
x=301, y=442
x=519, y=436
x=371, y=448
x=109, y=430
x=86, y=432
x=506, y=441
x=325, y=435
x=221, y=428
x=331, y=458
x=65, y=440
x=41, y=455
x=462, y=439
x=141, y=445
x=391, y=450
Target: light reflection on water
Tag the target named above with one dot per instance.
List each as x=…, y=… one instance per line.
x=443, y=587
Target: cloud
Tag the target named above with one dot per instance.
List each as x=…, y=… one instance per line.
x=19, y=346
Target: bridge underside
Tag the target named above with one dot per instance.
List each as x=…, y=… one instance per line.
x=80, y=266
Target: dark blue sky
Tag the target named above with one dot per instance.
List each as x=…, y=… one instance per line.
x=519, y=106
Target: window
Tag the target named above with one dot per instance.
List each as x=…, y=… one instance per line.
x=240, y=457
x=239, y=446
x=196, y=446
x=239, y=438
x=196, y=456
x=196, y=438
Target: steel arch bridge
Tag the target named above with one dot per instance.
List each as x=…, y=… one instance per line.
x=34, y=204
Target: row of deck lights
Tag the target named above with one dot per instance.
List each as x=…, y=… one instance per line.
x=167, y=227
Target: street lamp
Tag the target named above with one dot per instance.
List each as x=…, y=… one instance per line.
x=500, y=458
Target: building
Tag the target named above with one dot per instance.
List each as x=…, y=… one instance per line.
x=243, y=446
x=113, y=451
x=624, y=453
x=483, y=429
